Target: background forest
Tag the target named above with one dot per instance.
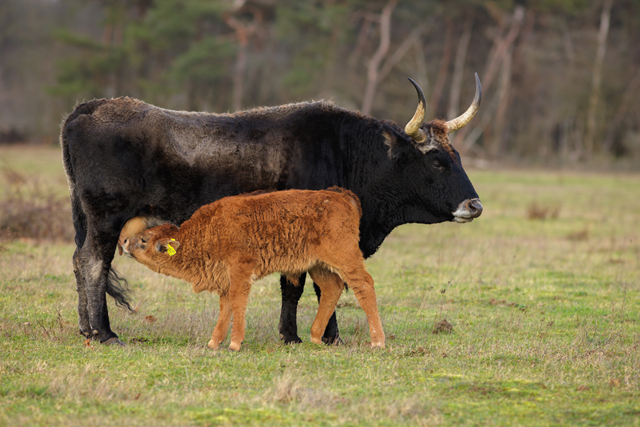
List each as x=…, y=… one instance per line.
x=561, y=78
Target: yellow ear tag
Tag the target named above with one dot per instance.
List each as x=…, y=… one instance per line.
x=170, y=250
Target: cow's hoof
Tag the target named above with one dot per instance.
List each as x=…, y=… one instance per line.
x=114, y=341
x=293, y=339
x=333, y=340
x=213, y=345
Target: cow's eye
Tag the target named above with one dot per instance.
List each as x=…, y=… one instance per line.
x=142, y=240
x=436, y=165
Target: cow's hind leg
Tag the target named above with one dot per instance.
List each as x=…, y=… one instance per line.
x=83, y=310
x=331, y=287
x=93, y=261
x=291, y=294
x=331, y=334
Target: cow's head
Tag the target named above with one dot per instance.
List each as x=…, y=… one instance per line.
x=436, y=186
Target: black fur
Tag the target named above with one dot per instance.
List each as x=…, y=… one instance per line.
x=118, y=289
x=125, y=158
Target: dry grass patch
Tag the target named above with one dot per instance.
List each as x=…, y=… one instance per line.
x=536, y=211
x=30, y=209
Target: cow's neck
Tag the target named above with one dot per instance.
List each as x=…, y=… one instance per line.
x=373, y=179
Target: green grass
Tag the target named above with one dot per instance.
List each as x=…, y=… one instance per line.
x=545, y=317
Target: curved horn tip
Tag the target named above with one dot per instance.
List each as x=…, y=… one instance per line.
x=413, y=127
x=421, y=97
x=478, y=88
x=461, y=121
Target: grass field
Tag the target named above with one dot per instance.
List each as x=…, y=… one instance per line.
x=545, y=317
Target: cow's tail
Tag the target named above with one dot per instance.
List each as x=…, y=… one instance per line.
x=117, y=286
x=78, y=216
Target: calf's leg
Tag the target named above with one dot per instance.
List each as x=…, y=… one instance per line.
x=220, y=331
x=239, y=288
x=361, y=283
x=331, y=287
x=331, y=333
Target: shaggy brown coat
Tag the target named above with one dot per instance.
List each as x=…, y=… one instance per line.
x=230, y=243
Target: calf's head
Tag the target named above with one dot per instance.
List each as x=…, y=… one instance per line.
x=132, y=227
x=434, y=184
x=153, y=247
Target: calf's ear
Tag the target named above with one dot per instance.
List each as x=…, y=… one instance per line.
x=169, y=246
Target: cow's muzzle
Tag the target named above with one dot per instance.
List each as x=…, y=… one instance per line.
x=468, y=210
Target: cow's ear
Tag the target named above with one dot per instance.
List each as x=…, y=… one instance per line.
x=399, y=145
x=168, y=246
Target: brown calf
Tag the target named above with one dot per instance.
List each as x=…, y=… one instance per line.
x=230, y=243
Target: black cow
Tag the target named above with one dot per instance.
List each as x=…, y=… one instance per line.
x=125, y=158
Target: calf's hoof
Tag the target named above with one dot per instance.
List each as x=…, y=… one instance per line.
x=213, y=345
x=234, y=346
x=114, y=341
x=377, y=344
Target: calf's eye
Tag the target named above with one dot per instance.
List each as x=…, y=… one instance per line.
x=436, y=165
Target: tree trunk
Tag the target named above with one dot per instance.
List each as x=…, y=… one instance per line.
x=458, y=70
x=243, y=33
x=630, y=95
x=597, y=77
x=441, y=79
x=503, y=102
x=238, y=76
x=498, y=52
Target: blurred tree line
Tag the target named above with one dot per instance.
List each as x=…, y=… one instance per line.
x=559, y=76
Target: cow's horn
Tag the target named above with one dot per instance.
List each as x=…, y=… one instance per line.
x=413, y=127
x=460, y=122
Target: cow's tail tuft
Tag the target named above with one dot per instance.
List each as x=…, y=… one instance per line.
x=118, y=288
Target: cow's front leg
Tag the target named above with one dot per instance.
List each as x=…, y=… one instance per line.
x=291, y=294
x=331, y=333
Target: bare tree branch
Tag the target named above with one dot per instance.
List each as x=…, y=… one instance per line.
x=402, y=50
x=500, y=49
x=374, y=63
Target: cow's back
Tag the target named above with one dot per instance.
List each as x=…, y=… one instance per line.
x=128, y=158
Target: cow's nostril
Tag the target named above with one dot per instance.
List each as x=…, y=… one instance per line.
x=475, y=208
